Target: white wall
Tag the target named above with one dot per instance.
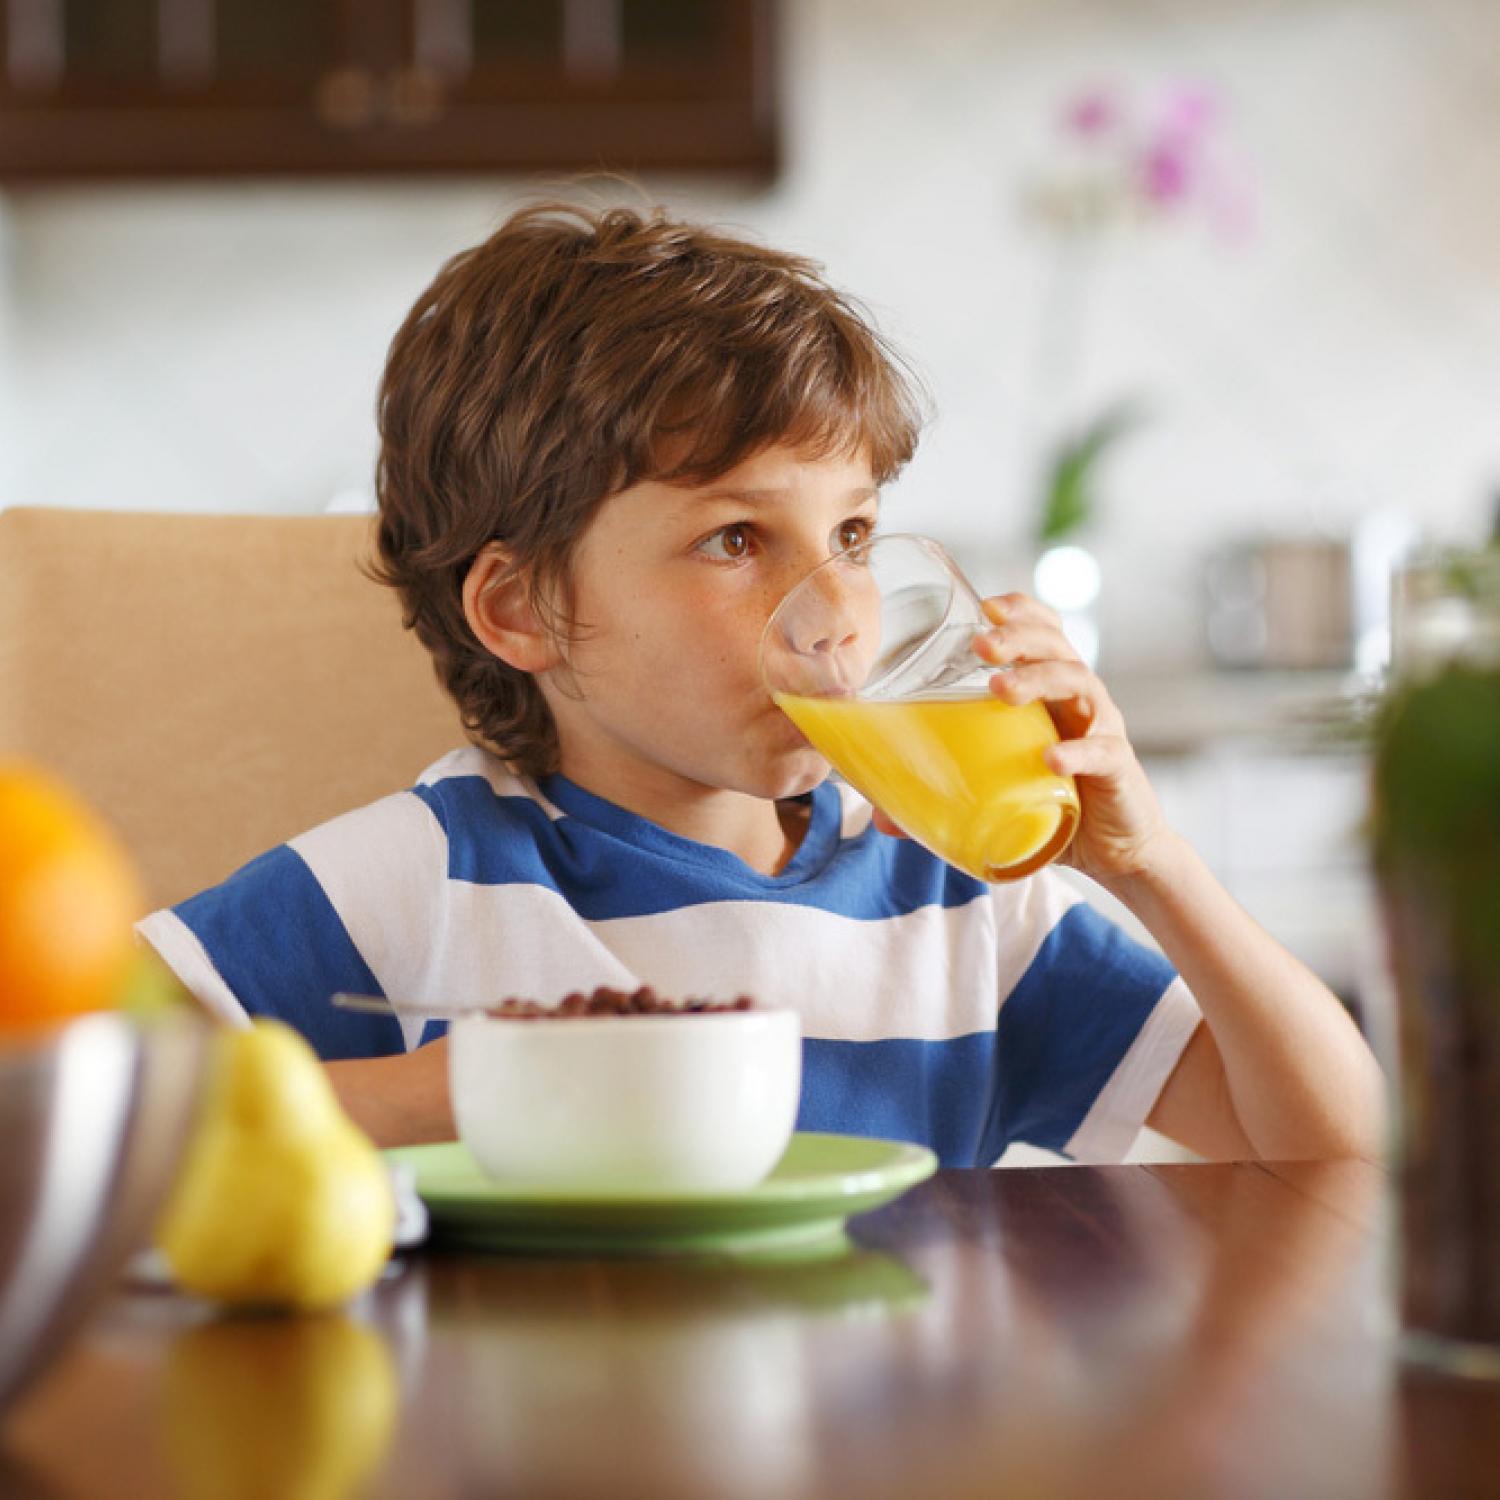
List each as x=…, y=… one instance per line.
x=217, y=347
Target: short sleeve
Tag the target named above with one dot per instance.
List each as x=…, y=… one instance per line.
x=1086, y=1040
x=346, y=907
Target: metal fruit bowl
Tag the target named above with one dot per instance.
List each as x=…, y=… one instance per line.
x=93, y=1119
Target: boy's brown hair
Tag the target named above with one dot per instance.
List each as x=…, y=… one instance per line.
x=571, y=355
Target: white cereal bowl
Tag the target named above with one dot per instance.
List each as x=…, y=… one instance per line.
x=628, y=1104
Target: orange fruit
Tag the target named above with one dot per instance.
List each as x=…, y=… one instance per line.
x=68, y=897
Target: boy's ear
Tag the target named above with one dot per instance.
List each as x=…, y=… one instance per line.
x=497, y=605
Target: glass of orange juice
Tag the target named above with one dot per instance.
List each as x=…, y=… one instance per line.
x=872, y=657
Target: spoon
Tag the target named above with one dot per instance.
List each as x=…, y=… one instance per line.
x=378, y=1005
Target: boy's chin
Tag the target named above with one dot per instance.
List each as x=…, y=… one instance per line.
x=796, y=778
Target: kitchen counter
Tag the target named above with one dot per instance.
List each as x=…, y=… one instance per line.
x=1179, y=713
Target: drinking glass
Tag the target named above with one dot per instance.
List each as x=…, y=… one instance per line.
x=872, y=657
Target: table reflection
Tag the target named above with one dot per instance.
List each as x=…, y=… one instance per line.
x=683, y=1375
x=287, y=1406
x=1053, y=1335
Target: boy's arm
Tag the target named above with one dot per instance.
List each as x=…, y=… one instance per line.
x=400, y=1100
x=1279, y=1070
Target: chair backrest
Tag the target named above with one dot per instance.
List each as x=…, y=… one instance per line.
x=213, y=684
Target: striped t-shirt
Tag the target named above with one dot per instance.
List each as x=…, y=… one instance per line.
x=935, y=1008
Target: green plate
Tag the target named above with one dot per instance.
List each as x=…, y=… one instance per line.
x=801, y=1208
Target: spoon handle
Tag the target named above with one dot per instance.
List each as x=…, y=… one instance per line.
x=378, y=1005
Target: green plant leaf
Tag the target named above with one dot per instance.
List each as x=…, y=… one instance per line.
x=1069, y=497
x=1436, y=803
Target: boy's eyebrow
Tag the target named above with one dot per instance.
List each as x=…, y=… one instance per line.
x=761, y=496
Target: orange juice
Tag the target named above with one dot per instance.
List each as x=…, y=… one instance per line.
x=964, y=776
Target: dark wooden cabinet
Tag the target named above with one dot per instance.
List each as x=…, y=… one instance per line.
x=156, y=88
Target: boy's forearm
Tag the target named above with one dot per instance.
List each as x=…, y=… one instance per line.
x=1301, y=1079
x=398, y=1101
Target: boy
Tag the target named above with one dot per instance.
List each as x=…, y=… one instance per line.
x=610, y=444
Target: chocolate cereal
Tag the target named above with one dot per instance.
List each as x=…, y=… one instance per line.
x=609, y=1002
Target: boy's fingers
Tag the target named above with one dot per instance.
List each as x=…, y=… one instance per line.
x=1093, y=755
x=1051, y=681
x=884, y=824
x=1022, y=609
x=1017, y=642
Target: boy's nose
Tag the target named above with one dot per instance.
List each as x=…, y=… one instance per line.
x=828, y=619
x=830, y=632
x=823, y=637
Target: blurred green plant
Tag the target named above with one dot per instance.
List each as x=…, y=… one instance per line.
x=1070, y=481
x=1471, y=575
x=1435, y=807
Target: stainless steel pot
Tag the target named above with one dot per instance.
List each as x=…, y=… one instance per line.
x=1282, y=603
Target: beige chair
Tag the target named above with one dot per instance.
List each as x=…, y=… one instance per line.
x=213, y=684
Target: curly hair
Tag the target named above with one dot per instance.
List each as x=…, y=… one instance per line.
x=571, y=355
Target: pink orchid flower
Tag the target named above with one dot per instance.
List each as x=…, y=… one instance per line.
x=1093, y=113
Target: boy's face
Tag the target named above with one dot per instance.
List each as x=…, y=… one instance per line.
x=672, y=589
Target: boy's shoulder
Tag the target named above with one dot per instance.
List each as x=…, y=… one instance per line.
x=444, y=800
x=470, y=777
x=471, y=763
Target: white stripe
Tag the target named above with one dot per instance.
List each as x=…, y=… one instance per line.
x=395, y=846
x=521, y=941
x=926, y=975
x=1034, y=906
x=181, y=951
x=1110, y=1127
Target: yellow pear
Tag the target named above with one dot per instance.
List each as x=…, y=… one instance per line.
x=281, y=1200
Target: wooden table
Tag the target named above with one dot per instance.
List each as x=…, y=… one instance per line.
x=1128, y=1331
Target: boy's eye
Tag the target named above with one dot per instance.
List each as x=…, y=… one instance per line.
x=730, y=542
x=852, y=532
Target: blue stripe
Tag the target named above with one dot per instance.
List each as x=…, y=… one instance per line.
x=608, y=863
x=277, y=942
x=936, y=1093
x=1065, y=1027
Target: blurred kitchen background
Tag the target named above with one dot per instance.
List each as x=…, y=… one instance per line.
x=1206, y=292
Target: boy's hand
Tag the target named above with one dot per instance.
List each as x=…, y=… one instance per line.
x=1122, y=821
x=1122, y=825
